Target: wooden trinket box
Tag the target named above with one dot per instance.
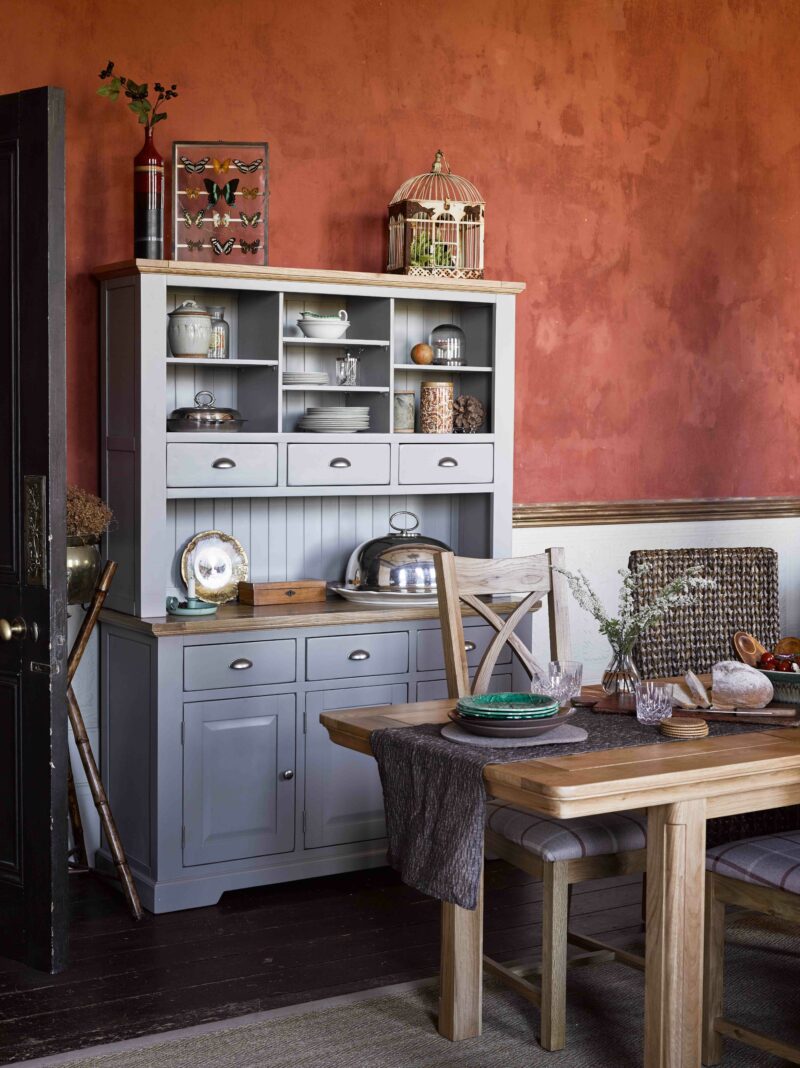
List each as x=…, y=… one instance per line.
x=302, y=591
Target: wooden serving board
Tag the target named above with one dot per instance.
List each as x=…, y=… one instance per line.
x=787, y=715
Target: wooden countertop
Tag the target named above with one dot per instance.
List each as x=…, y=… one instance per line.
x=302, y=275
x=237, y=618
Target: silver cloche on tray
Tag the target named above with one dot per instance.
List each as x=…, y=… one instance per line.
x=399, y=562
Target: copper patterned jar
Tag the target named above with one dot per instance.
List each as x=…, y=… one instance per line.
x=436, y=408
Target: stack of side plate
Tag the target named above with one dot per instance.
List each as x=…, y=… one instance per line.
x=330, y=420
x=497, y=715
x=305, y=378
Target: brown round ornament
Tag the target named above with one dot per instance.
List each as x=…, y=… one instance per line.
x=422, y=353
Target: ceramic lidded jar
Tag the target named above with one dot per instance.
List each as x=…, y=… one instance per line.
x=189, y=330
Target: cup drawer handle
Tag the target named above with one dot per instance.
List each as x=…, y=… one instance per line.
x=242, y=664
x=469, y=647
x=340, y=461
x=224, y=463
x=359, y=654
x=448, y=461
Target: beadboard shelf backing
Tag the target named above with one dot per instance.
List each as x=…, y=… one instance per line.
x=290, y=538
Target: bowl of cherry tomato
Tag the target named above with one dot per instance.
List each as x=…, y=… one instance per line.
x=783, y=671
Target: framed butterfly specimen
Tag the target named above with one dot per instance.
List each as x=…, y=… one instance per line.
x=220, y=190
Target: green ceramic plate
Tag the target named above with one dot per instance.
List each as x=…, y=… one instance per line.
x=519, y=706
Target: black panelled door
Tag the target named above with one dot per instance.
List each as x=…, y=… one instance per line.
x=33, y=717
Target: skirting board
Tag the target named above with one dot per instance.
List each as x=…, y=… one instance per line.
x=596, y=513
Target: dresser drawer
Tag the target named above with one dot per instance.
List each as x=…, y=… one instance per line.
x=350, y=655
x=432, y=464
x=338, y=465
x=430, y=655
x=215, y=667
x=201, y=464
x=436, y=689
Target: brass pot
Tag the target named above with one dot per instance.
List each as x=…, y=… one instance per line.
x=83, y=567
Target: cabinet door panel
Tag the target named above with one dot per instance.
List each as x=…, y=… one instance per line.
x=344, y=799
x=235, y=803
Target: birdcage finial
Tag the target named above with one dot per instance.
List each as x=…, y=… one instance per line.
x=438, y=162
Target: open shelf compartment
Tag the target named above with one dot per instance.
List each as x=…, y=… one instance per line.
x=253, y=317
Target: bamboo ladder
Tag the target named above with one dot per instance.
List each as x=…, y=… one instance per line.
x=84, y=747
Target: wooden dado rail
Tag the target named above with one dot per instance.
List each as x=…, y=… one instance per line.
x=595, y=513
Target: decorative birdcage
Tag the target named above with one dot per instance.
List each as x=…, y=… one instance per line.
x=436, y=225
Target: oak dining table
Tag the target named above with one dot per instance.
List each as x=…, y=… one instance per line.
x=681, y=784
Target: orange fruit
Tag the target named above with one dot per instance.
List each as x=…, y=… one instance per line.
x=422, y=353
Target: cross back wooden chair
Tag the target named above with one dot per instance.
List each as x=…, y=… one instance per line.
x=560, y=853
x=760, y=875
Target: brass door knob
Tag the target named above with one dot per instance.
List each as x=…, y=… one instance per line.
x=17, y=628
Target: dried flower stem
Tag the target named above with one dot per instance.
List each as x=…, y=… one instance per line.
x=624, y=629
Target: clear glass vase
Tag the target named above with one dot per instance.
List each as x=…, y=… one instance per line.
x=621, y=675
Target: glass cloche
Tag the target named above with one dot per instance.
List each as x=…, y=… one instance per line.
x=449, y=344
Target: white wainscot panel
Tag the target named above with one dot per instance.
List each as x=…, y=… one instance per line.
x=600, y=551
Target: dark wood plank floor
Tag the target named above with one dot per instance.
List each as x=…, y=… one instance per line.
x=260, y=949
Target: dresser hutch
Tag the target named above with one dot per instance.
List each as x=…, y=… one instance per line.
x=222, y=777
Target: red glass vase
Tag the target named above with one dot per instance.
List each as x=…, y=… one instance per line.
x=148, y=201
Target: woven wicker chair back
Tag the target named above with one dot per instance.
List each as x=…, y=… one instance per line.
x=699, y=635
x=696, y=637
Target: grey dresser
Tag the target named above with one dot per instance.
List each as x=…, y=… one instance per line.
x=219, y=773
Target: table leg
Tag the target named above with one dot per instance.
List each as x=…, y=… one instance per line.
x=461, y=978
x=676, y=837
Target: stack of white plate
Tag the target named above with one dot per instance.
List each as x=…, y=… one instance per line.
x=305, y=378
x=335, y=420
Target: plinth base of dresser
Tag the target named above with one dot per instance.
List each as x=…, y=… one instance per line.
x=198, y=891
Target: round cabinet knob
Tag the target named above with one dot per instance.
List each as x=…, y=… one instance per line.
x=469, y=647
x=17, y=628
x=287, y=775
x=359, y=654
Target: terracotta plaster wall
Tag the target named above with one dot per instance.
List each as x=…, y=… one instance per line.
x=640, y=160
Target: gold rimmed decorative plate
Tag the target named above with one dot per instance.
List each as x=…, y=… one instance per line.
x=218, y=562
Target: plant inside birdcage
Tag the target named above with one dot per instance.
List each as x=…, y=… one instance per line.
x=425, y=252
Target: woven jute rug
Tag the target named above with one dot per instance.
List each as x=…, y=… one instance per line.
x=396, y=1029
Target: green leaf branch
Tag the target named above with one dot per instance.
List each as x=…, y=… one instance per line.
x=138, y=95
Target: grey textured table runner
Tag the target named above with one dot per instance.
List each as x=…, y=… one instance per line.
x=435, y=798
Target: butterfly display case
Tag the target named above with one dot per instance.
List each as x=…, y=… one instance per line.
x=220, y=201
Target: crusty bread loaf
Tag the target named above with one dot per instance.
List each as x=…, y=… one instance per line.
x=740, y=685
